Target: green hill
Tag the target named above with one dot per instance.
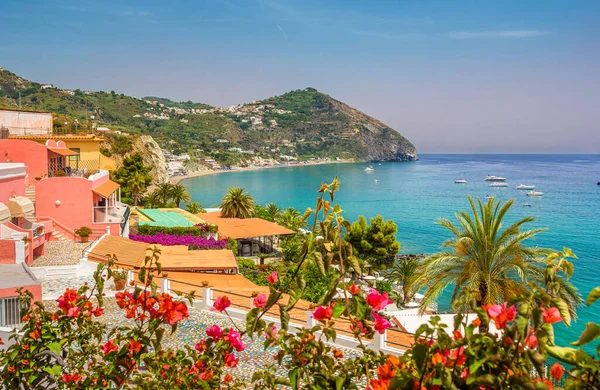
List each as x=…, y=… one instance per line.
x=302, y=124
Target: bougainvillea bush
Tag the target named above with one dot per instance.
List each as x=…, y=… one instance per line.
x=70, y=348
x=193, y=242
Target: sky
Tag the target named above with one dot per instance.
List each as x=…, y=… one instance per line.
x=452, y=76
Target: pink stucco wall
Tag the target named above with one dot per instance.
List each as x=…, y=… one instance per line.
x=34, y=155
x=8, y=252
x=76, y=203
x=31, y=245
x=36, y=290
x=11, y=187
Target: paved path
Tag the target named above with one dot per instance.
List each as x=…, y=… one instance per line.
x=60, y=253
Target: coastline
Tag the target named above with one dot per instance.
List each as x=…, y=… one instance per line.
x=208, y=172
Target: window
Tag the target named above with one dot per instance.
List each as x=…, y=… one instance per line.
x=10, y=312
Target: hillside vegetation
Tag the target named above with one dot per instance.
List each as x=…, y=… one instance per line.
x=301, y=124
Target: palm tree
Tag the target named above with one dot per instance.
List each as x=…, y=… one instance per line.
x=237, y=204
x=179, y=194
x=485, y=262
x=273, y=211
x=153, y=200
x=291, y=219
x=163, y=192
x=137, y=185
x=404, y=272
x=194, y=208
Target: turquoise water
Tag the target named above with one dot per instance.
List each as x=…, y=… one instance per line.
x=416, y=194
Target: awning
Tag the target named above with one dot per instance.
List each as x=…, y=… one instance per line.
x=4, y=213
x=237, y=228
x=106, y=189
x=63, y=151
x=20, y=206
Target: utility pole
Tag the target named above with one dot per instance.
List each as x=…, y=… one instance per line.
x=19, y=99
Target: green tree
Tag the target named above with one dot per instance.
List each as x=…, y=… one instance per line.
x=487, y=263
x=375, y=243
x=152, y=200
x=164, y=192
x=291, y=219
x=180, y=194
x=137, y=185
x=273, y=211
x=133, y=166
x=404, y=272
x=195, y=208
x=237, y=204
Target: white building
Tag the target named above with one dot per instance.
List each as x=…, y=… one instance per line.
x=26, y=122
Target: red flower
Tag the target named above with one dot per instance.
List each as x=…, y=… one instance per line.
x=72, y=378
x=457, y=335
x=234, y=338
x=215, y=332
x=35, y=334
x=1, y=342
x=74, y=311
x=381, y=323
x=221, y=304
x=98, y=311
x=551, y=316
x=109, y=347
x=531, y=341
x=134, y=346
x=230, y=360
x=338, y=354
x=377, y=301
x=557, y=371
x=501, y=315
x=273, y=278
x=260, y=301
x=323, y=313
x=438, y=358
x=386, y=372
x=354, y=289
x=271, y=333
x=359, y=326
x=378, y=384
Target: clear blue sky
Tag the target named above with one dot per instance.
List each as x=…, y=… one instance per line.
x=452, y=76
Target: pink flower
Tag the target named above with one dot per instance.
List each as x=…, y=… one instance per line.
x=377, y=301
x=360, y=327
x=273, y=278
x=74, y=311
x=323, y=313
x=214, y=331
x=531, y=340
x=234, y=339
x=109, y=347
x=221, y=304
x=260, y=300
x=551, y=316
x=501, y=315
x=271, y=333
x=200, y=346
x=381, y=323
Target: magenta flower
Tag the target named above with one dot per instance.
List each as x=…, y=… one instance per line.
x=381, y=323
x=377, y=301
x=234, y=339
x=214, y=331
x=260, y=301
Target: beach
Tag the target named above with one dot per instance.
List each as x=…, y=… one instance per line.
x=208, y=172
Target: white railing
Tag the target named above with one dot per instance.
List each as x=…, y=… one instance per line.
x=379, y=342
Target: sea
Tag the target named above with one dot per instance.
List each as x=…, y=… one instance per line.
x=416, y=194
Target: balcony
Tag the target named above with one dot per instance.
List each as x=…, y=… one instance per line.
x=111, y=214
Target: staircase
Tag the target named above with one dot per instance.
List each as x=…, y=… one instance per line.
x=58, y=236
x=30, y=193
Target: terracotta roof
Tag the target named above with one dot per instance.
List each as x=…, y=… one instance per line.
x=65, y=137
x=131, y=254
x=106, y=189
x=63, y=151
x=237, y=228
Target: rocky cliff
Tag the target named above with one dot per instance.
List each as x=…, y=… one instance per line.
x=153, y=157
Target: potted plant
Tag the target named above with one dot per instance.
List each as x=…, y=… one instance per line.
x=84, y=232
x=120, y=278
x=60, y=173
x=39, y=230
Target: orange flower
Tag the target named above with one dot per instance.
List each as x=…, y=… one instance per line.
x=134, y=346
x=338, y=354
x=228, y=378
x=437, y=358
x=457, y=335
x=476, y=322
x=393, y=361
x=386, y=372
x=354, y=289
x=557, y=371
x=35, y=334
x=25, y=347
x=378, y=384
x=11, y=369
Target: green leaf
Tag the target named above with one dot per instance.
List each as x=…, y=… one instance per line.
x=250, y=319
x=294, y=378
x=591, y=333
x=361, y=307
x=54, y=370
x=353, y=261
x=55, y=347
x=285, y=318
x=419, y=353
x=339, y=382
x=338, y=309
x=563, y=354
x=593, y=296
x=563, y=309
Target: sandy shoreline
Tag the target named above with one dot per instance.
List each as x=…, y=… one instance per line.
x=178, y=179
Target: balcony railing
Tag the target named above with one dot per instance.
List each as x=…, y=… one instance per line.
x=111, y=214
x=38, y=228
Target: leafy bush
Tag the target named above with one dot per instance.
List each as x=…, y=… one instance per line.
x=246, y=263
x=198, y=230
x=193, y=242
x=83, y=231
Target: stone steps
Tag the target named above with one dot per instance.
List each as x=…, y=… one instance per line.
x=58, y=236
x=30, y=193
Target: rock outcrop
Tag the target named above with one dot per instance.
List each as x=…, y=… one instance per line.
x=153, y=157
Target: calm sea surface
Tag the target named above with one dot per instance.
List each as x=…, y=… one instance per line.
x=416, y=194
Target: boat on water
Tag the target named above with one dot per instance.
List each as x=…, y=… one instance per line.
x=526, y=204
x=535, y=193
x=369, y=168
x=498, y=184
x=494, y=178
x=460, y=181
x=489, y=197
x=524, y=187
x=376, y=181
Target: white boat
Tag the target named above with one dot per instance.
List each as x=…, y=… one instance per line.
x=495, y=178
x=535, y=193
x=376, y=181
x=460, y=181
x=369, y=168
x=524, y=187
x=498, y=184
x=527, y=204
x=489, y=197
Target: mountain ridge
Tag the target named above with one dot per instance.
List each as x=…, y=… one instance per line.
x=300, y=124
